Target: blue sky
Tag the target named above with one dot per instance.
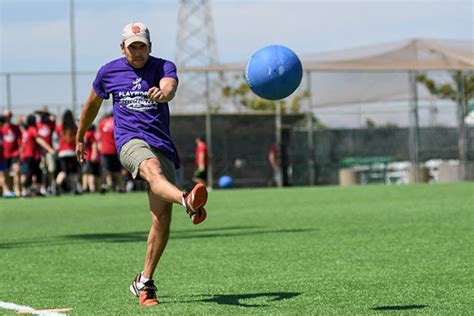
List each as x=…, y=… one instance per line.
x=34, y=34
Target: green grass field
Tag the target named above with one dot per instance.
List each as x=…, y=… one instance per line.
x=323, y=250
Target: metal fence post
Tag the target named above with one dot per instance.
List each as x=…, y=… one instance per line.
x=414, y=125
x=9, y=92
x=210, y=175
x=310, y=127
x=278, y=138
x=462, y=143
x=73, y=56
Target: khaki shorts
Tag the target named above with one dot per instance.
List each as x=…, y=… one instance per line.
x=135, y=151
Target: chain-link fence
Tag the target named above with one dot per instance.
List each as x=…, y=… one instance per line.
x=241, y=134
x=241, y=143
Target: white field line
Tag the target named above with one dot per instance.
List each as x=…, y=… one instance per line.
x=28, y=310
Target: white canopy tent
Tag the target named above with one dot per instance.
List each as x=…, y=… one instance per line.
x=380, y=73
x=346, y=74
x=413, y=54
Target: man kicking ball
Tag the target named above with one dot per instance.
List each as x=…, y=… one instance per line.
x=141, y=86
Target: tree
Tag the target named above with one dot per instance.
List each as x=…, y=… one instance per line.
x=242, y=95
x=369, y=123
x=389, y=125
x=448, y=91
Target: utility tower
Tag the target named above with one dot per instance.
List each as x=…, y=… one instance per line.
x=196, y=46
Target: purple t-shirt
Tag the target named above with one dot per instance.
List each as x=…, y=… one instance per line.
x=135, y=115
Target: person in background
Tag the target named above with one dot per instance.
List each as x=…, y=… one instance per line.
x=11, y=152
x=91, y=168
x=280, y=161
x=274, y=164
x=3, y=164
x=31, y=156
x=69, y=167
x=201, y=160
x=46, y=125
x=109, y=159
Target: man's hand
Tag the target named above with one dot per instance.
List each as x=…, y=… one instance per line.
x=158, y=95
x=88, y=114
x=80, y=151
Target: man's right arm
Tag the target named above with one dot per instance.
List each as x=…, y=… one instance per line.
x=88, y=114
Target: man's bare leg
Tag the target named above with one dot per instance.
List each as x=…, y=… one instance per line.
x=91, y=182
x=16, y=179
x=3, y=183
x=161, y=195
x=159, y=232
x=151, y=171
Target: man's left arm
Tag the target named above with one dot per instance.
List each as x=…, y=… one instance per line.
x=165, y=92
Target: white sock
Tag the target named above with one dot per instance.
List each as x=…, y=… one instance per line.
x=143, y=279
x=183, y=201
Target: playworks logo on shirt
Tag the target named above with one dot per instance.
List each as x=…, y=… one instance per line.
x=135, y=99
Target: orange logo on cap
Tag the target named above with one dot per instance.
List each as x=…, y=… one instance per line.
x=136, y=29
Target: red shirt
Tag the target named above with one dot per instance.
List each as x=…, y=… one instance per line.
x=2, y=158
x=45, y=131
x=106, y=132
x=89, y=139
x=201, y=148
x=273, y=150
x=11, y=140
x=29, y=146
x=65, y=145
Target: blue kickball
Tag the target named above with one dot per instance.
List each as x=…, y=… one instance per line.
x=274, y=72
x=225, y=182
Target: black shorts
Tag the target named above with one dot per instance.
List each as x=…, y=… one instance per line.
x=68, y=164
x=31, y=167
x=11, y=161
x=111, y=163
x=91, y=167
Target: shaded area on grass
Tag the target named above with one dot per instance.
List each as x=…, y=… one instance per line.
x=239, y=299
x=233, y=231
x=235, y=299
x=398, y=307
x=220, y=232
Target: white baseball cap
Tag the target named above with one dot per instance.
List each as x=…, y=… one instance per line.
x=135, y=32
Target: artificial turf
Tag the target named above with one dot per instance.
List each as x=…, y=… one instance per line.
x=322, y=250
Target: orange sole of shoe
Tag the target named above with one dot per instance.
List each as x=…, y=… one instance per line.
x=199, y=193
x=200, y=217
x=149, y=303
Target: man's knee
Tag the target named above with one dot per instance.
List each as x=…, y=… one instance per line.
x=151, y=169
x=161, y=217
